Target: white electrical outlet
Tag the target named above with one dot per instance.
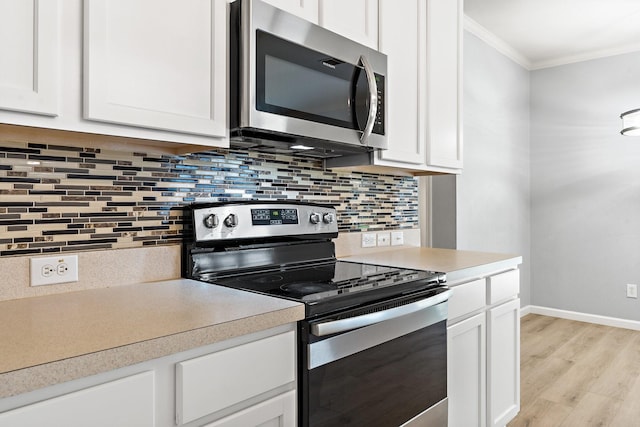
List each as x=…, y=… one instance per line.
x=632, y=291
x=384, y=239
x=368, y=240
x=54, y=269
x=397, y=238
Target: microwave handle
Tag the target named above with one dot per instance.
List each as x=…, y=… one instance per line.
x=373, y=100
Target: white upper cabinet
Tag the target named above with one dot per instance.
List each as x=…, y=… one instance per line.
x=422, y=41
x=29, y=56
x=157, y=64
x=305, y=9
x=354, y=19
x=444, y=83
x=406, y=73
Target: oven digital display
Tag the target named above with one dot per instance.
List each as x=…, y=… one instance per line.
x=274, y=216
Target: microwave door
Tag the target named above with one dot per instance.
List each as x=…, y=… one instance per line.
x=365, y=99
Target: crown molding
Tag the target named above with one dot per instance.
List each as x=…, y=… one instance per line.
x=496, y=42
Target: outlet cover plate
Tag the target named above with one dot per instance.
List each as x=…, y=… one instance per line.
x=384, y=239
x=53, y=270
x=368, y=240
x=397, y=238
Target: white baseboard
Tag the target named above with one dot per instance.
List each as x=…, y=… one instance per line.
x=581, y=317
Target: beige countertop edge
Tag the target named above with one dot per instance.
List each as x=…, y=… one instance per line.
x=47, y=374
x=459, y=265
x=111, y=328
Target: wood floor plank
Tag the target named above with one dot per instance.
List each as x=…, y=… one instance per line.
x=596, y=356
x=541, y=413
x=623, y=372
x=536, y=379
x=592, y=410
x=578, y=374
x=629, y=411
x=542, y=342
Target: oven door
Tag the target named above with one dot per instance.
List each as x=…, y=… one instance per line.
x=385, y=368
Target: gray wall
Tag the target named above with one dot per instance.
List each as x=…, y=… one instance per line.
x=492, y=194
x=585, y=187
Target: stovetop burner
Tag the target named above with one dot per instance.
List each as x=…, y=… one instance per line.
x=302, y=289
x=329, y=284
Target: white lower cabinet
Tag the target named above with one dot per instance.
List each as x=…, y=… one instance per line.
x=503, y=367
x=246, y=381
x=279, y=411
x=466, y=376
x=483, y=335
x=127, y=402
x=211, y=383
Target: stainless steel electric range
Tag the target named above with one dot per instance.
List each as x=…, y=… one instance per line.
x=372, y=346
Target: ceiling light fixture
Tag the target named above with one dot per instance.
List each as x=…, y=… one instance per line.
x=631, y=122
x=301, y=147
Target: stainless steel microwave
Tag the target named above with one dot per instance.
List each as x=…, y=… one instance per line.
x=299, y=88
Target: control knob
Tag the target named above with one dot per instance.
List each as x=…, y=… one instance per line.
x=314, y=218
x=211, y=221
x=328, y=218
x=231, y=220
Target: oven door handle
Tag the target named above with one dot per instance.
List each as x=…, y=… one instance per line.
x=330, y=327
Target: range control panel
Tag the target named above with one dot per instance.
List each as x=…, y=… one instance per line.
x=258, y=220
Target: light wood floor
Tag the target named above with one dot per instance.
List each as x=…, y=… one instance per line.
x=578, y=374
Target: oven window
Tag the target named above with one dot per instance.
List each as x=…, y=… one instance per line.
x=385, y=385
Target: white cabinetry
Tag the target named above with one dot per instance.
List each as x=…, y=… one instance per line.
x=151, y=70
x=29, y=55
x=466, y=376
x=424, y=88
x=216, y=381
x=168, y=73
x=305, y=9
x=354, y=19
x=246, y=381
x=125, y=402
x=277, y=412
x=503, y=367
x=484, y=351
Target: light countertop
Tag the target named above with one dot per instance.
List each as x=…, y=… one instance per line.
x=51, y=339
x=55, y=338
x=459, y=265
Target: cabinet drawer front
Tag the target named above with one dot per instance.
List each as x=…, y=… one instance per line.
x=503, y=286
x=127, y=402
x=467, y=298
x=213, y=382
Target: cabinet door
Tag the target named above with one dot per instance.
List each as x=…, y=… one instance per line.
x=158, y=64
x=354, y=19
x=305, y=9
x=210, y=383
x=503, y=367
x=466, y=351
x=444, y=83
x=406, y=73
x=277, y=412
x=29, y=52
x=128, y=402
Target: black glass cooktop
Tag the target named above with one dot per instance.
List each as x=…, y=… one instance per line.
x=326, y=286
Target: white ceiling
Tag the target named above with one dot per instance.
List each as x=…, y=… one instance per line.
x=546, y=33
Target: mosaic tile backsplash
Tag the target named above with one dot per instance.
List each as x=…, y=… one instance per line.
x=58, y=199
